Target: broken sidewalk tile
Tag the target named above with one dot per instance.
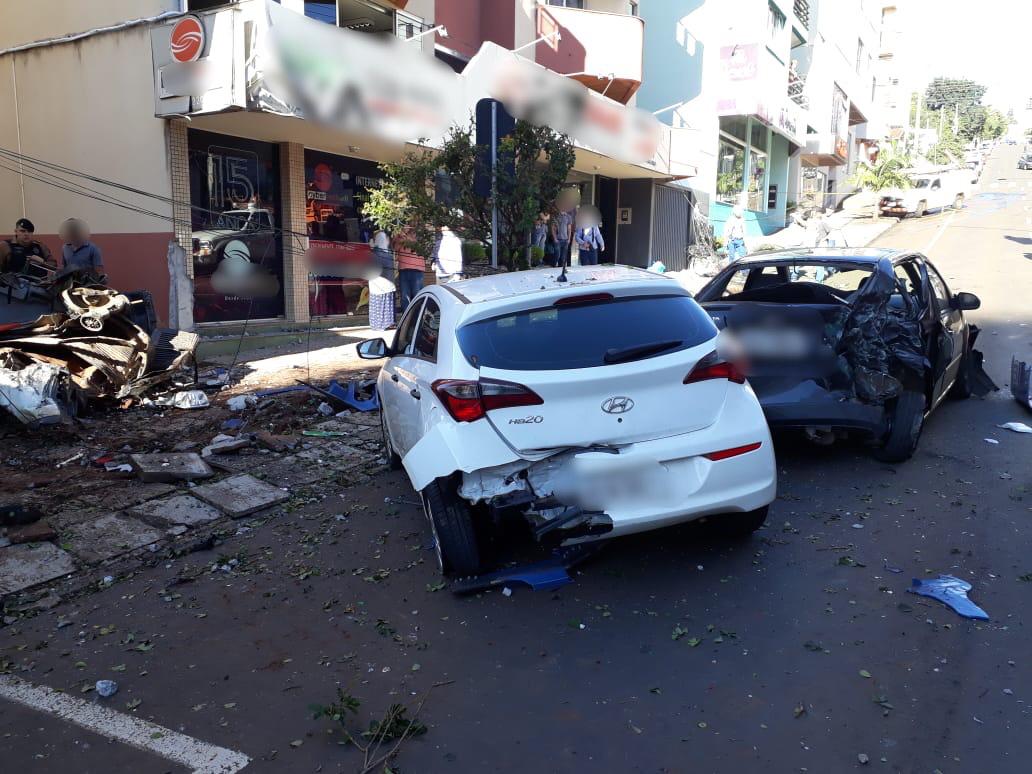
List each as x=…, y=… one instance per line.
x=180, y=509
x=225, y=444
x=170, y=467
x=1017, y=427
x=108, y=536
x=31, y=533
x=242, y=495
x=1021, y=382
x=951, y=591
x=32, y=563
x=276, y=443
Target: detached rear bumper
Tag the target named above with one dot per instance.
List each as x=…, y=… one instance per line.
x=809, y=405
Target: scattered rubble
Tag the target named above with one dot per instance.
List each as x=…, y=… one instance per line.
x=186, y=466
x=95, y=350
x=242, y=495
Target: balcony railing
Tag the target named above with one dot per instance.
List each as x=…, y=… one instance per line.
x=801, y=9
x=797, y=89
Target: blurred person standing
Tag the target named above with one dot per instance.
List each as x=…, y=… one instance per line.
x=734, y=234
x=411, y=268
x=79, y=253
x=381, y=244
x=589, y=244
x=448, y=257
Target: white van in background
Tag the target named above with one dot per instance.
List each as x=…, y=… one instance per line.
x=930, y=191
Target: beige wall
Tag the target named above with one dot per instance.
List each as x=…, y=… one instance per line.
x=25, y=21
x=87, y=105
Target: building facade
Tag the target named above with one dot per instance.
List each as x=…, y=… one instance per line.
x=838, y=67
x=204, y=152
x=719, y=72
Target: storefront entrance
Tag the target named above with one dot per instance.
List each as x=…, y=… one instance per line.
x=237, y=249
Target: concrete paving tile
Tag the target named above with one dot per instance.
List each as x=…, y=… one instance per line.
x=110, y=535
x=26, y=565
x=181, y=509
x=241, y=495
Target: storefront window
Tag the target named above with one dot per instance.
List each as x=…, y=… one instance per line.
x=237, y=249
x=338, y=251
x=730, y=171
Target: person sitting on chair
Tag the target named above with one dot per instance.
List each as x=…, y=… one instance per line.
x=23, y=254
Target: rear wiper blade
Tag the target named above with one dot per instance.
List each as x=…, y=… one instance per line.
x=642, y=350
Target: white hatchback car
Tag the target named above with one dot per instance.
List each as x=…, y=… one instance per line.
x=593, y=408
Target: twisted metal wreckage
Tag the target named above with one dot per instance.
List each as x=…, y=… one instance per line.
x=104, y=346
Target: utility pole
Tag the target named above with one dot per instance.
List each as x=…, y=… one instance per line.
x=917, y=125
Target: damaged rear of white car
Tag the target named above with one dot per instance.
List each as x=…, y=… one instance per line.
x=591, y=408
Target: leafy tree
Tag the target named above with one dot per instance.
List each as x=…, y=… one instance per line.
x=428, y=189
x=887, y=170
x=948, y=150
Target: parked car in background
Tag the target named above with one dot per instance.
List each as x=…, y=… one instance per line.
x=1025, y=161
x=933, y=191
x=590, y=408
x=842, y=341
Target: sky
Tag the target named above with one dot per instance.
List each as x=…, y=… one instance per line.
x=987, y=41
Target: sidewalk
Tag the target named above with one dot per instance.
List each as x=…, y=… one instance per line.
x=848, y=229
x=854, y=228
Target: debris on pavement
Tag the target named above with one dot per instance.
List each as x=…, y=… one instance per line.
x=94, y=350
x=1021, y=382
x=184, y=466
x=225, y=444
x=1017, y=427
x=106, y=688
x=951, y=591
x=546, y=575
x=241, y=402
x=187, y=399
x=990, y=440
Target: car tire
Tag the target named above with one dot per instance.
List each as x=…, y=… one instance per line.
x=451, y=522
x=742, y=525
x=921, y=209
x=904, y=428
x=393, y=458
x=958, y=202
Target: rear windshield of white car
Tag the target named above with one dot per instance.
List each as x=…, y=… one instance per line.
x=586, y=335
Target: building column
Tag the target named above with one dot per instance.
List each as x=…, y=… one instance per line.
x=295, y=228
x=745, y=166
x=179, y=168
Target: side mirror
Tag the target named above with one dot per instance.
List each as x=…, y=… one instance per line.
x=966, y=301
x=373, y=349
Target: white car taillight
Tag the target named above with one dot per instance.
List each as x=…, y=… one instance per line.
x=468, y=401
x=712, y=367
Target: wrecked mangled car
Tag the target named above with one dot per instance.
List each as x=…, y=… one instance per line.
x=835, y=341
x=103, y=346
x=591, y=404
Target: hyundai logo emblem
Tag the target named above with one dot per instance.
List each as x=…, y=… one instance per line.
x=618, y=404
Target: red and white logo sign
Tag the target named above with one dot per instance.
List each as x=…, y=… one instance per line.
x=187, y=39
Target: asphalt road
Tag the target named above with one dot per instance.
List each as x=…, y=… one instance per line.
x=798, y=650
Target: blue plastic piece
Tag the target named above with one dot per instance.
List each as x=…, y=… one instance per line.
x=951, y=591
x=546, y=575
x=348, y=395
x=233, y=424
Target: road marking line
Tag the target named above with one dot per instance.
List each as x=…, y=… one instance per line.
x=200, y=756
x=939, y=233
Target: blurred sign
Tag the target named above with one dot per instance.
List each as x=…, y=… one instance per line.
x=740, y=62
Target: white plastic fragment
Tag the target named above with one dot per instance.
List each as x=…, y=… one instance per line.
x=1017, y=427
x=30, y=393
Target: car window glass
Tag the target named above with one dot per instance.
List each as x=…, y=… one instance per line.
x=736, y=284
x=936, y=185
x=585, y=335
x=427, y=333
x=408, y=325
x=905, y=277
x=942, y=294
